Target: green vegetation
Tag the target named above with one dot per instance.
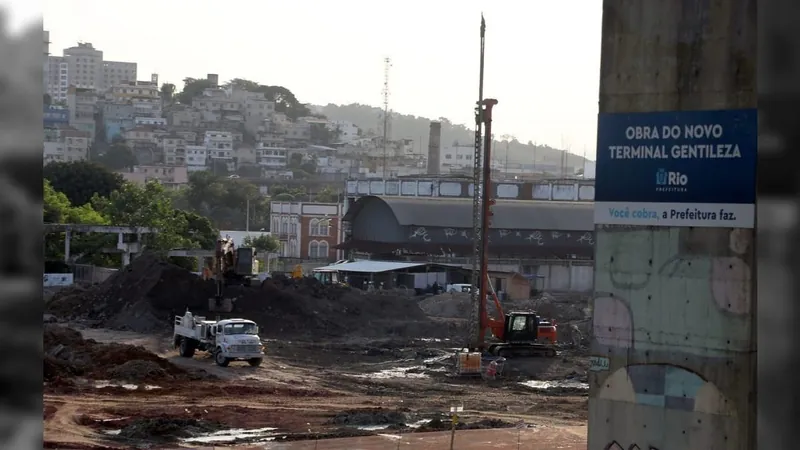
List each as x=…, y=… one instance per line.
x=263, y=243
x=118, y=203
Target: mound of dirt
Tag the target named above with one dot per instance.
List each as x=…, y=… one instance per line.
x=68, y=354
x=369, y=417
x=139, y=297
x=167, y=429
x=147, y=294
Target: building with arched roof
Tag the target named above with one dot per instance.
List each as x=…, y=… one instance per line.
x=521, y=229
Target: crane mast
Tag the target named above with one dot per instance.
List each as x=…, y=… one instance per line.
x=481, y=208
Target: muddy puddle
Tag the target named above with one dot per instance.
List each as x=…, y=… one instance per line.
x=395, y=372
x=128, y=386
x=382, y=427
x=556, y=385
x=235, y=435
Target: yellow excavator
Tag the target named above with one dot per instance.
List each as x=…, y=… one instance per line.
x=231, y=266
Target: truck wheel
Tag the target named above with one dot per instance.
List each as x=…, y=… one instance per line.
x=220, y=358
x=186, y=348
x=255, y=362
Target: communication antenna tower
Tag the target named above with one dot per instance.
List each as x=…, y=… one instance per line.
x=387, y=64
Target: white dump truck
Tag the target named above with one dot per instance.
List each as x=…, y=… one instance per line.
x=227, y=340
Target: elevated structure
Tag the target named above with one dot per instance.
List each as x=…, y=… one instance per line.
x=674, y=308
x=561, y=189
x=125, y=244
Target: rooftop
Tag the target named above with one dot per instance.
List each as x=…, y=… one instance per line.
x=508, y=214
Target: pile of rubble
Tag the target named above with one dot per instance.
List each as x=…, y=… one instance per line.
x=67, y=354
x=147, y=294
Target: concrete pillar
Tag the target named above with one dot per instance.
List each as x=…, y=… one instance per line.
x=674, y=307
x=67, y=240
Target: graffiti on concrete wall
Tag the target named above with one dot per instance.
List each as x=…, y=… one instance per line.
x=682, y=291
x=614, y=445
x=509, y=237
x=670, y=316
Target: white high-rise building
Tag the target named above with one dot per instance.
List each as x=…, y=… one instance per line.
x=56, y=78
x=85, y=66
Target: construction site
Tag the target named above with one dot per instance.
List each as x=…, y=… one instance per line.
x=342, y=368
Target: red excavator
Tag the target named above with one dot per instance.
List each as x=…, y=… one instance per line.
x=521, y=333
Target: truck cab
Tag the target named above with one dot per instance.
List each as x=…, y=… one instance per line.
x=227, y=340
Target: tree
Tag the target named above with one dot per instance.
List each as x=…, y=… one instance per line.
x=81, y=180
x=327, y=195
x=263, y=243
x=249, y=171
x=199, y=229
x=119, y=156
x=295, y=160
x=245, y=85
x=225, y=201
x=58, y=209
x=167, y=92
x=147, y=206
x=285, y=101
x=192, y=87
x=219, y=167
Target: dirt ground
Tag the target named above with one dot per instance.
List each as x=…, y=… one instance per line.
x=345, y=394
x=343, y=370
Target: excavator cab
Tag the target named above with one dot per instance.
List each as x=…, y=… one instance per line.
x=521, y=327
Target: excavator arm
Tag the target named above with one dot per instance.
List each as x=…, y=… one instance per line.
x=496, y=325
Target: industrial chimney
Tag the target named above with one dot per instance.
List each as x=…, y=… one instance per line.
x=435, y=148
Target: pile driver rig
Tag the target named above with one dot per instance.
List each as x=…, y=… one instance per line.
x=517, y=333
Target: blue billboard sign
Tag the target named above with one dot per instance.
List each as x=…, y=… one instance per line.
x=54, y=115
x=677, y=164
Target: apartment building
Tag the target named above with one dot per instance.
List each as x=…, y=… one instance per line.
x=174, y=148
x=347, y=131
x=196, y=158
x=155, y=121
x=85, y=65
x=66, y=144
x=82, y=105
x=171, y=176
x=219, y=144
x=274, y=158
x=56, y=78
x=307, y=230
x=118, y=72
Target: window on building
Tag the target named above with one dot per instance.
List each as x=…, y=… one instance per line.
x=313, y=227
x=322, y=250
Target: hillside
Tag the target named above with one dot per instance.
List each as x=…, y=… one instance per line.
x=417, y=128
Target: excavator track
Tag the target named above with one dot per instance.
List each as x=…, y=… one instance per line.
x=521, y=350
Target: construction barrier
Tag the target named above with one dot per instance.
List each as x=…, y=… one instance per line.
x=57, y=279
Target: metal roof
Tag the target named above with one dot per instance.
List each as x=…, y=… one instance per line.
x=368, y=266
x=508, y=214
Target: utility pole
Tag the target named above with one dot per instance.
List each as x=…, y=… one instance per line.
x=387, y=64
x=508, y=138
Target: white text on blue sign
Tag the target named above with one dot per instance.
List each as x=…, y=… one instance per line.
x=699, y=148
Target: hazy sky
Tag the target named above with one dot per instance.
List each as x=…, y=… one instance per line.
x=542, y=56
